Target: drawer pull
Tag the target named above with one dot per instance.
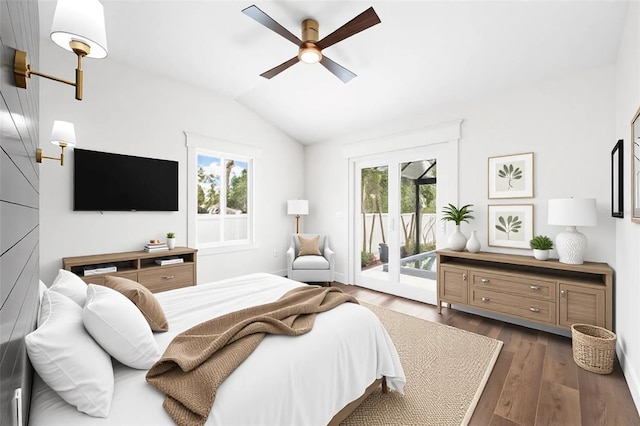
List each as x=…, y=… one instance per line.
x=485, y=280
x=562, y=294
x=534, y=287
x=168, y=277
x=534, y=309
x=486, y=299
x=464, y=277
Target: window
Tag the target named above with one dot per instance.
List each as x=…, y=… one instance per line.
x=223, y=199
x=221, y=213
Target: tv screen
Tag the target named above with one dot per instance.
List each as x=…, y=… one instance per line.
x=104, y=181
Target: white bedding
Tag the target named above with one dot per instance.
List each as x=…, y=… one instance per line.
x=303, y=380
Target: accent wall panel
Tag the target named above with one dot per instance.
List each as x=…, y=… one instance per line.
x=19, y=203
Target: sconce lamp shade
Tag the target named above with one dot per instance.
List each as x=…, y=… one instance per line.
x=80, y=20
x=571, y=212
x=298, y=207
x=63, y=134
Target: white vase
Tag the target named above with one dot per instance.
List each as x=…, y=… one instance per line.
x=457, y=240
x=171, y=243
x=541, y=254
x=473, y=243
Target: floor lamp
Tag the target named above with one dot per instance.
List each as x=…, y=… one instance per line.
x=298, y=208
x=571, y=212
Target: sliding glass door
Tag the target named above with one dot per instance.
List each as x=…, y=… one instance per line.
x=397, y=198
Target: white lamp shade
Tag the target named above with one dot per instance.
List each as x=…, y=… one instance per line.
x=63, y=132
x=573, y=212
x=80, y=20
x=298, y=207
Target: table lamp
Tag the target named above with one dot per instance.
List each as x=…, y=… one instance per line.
x=571, y=212
x=298, y=208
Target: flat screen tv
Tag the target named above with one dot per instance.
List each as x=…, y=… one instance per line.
x=104, y=181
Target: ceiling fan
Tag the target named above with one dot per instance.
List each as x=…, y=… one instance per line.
x=310, y=48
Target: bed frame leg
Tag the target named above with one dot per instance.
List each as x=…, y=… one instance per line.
x=385, y=388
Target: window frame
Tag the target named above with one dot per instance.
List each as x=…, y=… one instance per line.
x=225, y=150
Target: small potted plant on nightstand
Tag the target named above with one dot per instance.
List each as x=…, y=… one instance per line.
x=541, y=244
x=171, y=240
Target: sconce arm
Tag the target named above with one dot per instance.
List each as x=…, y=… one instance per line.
x=22, y=70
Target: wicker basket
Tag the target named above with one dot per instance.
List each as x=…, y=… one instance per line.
x=594, y=348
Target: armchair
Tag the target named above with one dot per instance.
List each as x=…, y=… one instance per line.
x=309, y=259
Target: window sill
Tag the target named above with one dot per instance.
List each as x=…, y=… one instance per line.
x=227, y=248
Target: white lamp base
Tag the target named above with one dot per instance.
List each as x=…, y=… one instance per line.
x=571, y=245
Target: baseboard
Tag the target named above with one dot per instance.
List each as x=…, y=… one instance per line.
x=631, y=376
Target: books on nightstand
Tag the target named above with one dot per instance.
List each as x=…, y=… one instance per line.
x=169, y=261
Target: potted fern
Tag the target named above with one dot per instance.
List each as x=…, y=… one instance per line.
x=541, y=244
x=451, y=213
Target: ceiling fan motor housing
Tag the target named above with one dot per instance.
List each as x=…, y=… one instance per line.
x=308, y=51
x=310, y=30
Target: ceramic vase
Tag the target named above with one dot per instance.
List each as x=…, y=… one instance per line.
x=171, y=243
x=473, y=243
x=541, y=254
x=457, y=240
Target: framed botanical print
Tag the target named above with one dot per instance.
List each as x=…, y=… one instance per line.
x=510, y=225
x=511, y=176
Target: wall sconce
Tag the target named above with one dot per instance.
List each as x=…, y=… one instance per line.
x=298, y=207
x=571, y=212
x=78, y=26
x=63, y=135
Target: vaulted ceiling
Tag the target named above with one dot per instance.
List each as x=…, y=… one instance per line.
x=423, y=55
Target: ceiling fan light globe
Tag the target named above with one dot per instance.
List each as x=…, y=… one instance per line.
x=309, y=53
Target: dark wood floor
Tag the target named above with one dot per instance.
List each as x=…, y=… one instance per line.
x=534, y=381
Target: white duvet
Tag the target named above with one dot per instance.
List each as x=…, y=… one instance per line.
x=302, y=380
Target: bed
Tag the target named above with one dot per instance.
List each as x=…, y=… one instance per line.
x=312, y=379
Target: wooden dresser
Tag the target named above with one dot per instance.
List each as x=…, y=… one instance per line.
x=140, y=266
x=546, y=292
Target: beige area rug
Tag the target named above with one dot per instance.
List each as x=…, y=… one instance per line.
x=446, y=370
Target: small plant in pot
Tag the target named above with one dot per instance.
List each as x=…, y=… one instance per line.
x=451, y=213
x=541, y=244
x=171, y=240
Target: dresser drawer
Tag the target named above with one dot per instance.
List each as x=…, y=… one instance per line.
x=514, y=305
x=521, y=285
x=99, y=279
x=167, y=277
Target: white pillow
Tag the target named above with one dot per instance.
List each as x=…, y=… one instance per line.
x=42, y=287
x=68, y=359
x=70, y=285
x=119, y=327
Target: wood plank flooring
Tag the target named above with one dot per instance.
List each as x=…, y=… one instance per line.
x=534, y=381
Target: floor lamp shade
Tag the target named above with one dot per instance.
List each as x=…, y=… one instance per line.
x=298, y=208
x=571, y=212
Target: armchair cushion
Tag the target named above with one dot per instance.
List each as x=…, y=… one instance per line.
x=311, y=263
x=309, y=246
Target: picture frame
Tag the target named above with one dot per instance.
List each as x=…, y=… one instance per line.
x=510, y=176
x=617, y=180
x=634, y=153
x=510, y=225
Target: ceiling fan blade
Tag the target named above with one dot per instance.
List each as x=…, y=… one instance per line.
x=366, y=19
x=338, y=70
x=257, y=14
x=277, y=70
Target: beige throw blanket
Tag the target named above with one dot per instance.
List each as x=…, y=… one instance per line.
x=198, y=360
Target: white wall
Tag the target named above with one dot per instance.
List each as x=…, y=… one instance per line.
x=568, y=124
x=627, y=267
x=130, y=112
